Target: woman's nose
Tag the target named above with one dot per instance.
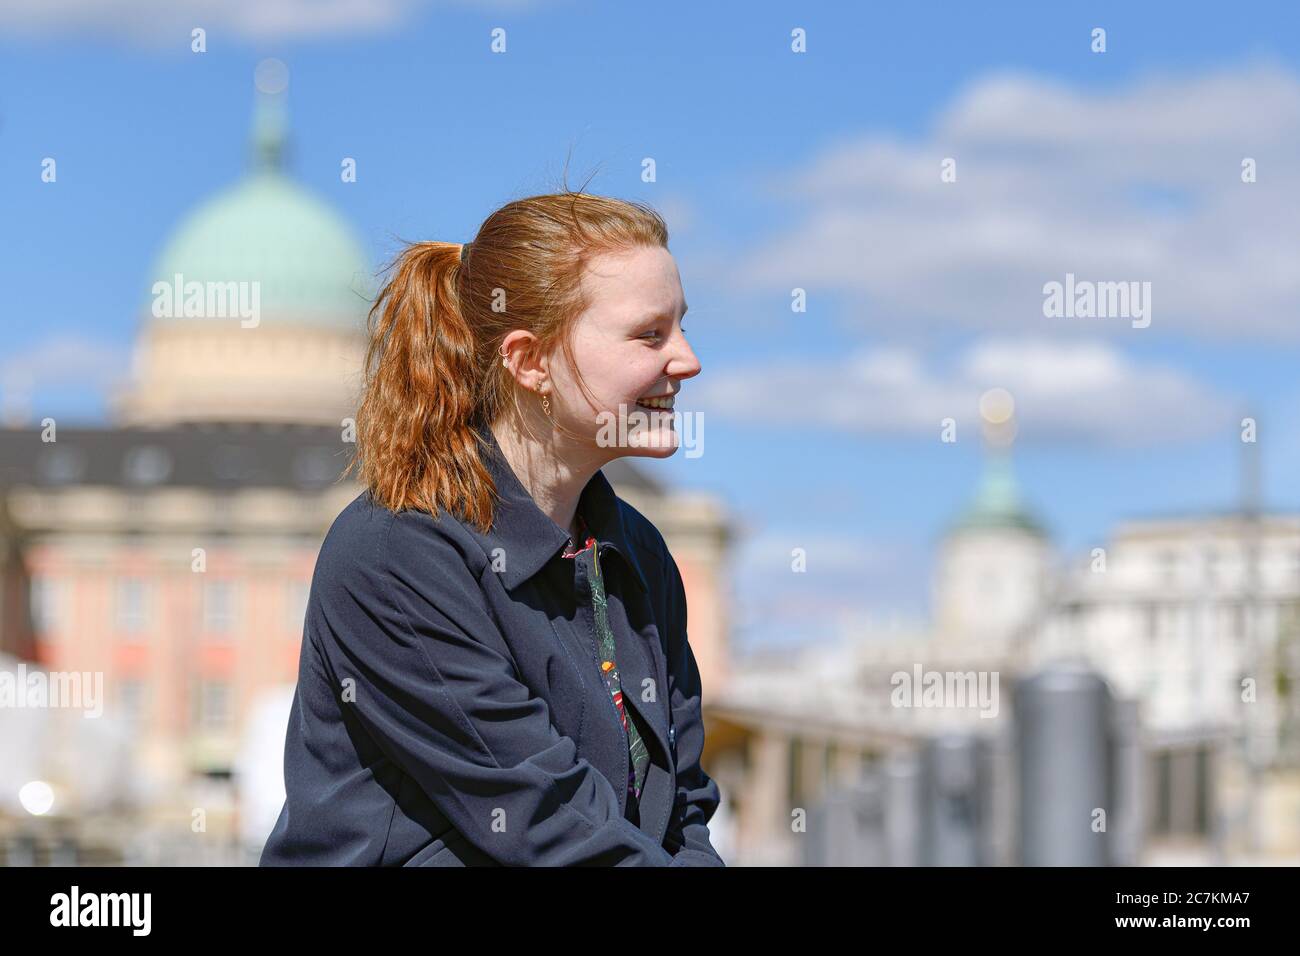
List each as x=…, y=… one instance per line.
x=685, y=363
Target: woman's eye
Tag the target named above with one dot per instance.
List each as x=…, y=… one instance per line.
x=657, y=334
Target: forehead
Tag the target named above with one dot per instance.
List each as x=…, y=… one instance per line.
x=634, y=284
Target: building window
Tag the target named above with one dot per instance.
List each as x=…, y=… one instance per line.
x=212, y=705
x=218, y=606
x=1169, y=567
x=870, y=763
x=221, y=509
x=132, y=605
x=133, y=699
x=317, y=467
x=1167, y=620
x=46, y=598
x=137, y=507
x=62, y=465
x=147, y=465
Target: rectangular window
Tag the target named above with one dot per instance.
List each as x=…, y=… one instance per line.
x=212, y=706
x=1151, y=613
x=133, y=700
x=222, y=509
x=137, y=506
x=1169, y=567
x=218, y=607
x=46, y=597
x=132, y=605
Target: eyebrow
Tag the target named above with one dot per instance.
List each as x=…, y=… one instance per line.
x=660, y=315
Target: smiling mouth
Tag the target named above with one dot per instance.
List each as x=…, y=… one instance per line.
x=662, y=404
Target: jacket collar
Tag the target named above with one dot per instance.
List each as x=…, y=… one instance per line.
x=529, y=538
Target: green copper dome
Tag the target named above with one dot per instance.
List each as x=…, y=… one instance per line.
x=997, y=502
x=268, y=229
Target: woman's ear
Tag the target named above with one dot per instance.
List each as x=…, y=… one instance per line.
x=525, y=362
x=535, y=369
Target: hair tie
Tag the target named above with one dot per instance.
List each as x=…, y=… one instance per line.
x=464, y=251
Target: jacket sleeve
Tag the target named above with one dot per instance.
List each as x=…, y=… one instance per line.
x=436, y=688
x=698, y=794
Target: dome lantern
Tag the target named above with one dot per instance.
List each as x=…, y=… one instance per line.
x=270, y=123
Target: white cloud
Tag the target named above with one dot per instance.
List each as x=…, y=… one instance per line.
x=156, y=22
x=57, y=372
x=1138, y=184
x=57, y=365
x=1065, y=391
x=65, y=358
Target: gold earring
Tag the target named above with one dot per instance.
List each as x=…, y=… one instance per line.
x=546, y=406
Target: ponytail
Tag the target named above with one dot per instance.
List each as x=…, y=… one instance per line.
x=416, y=441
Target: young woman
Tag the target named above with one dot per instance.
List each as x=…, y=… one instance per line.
x=495, y=668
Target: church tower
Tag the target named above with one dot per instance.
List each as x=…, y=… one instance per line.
x=994, y=561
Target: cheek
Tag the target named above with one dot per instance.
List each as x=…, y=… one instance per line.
x=640, y=373
x=600, y=390
x=619, y=378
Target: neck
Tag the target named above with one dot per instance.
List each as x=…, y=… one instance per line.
x=554, y=472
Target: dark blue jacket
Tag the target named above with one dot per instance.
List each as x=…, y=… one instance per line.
x=450, y=710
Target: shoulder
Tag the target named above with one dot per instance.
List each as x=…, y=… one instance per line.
x=369, y=538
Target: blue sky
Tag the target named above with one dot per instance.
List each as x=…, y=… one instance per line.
x=775, y=170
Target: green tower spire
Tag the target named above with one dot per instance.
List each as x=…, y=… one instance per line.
x=998, y=502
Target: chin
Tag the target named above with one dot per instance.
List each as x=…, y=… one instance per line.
x=660, y=449
x=635, y=435
x=651, y=442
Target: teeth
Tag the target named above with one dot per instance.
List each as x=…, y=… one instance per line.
x=657, y=402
